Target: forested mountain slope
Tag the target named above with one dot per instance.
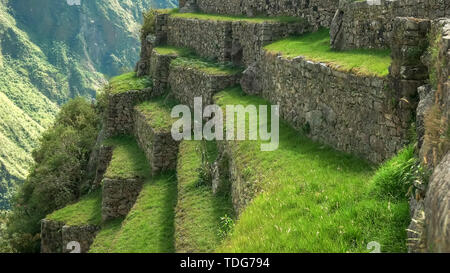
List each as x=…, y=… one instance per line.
x=53, y=50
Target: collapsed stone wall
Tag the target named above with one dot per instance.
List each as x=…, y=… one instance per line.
x=119, y=113
x=318, y=13
x=365, y=24
x=159, y=147
x=187, y=83
x=239, y=42
x=56, y=236
x=357, y=114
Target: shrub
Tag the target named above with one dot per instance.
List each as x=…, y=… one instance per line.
x=59, y=169
x=226, y=226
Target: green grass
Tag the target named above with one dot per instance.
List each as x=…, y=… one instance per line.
x=128, y=160
x=207, y=66
x=198, y=211
x=158, y=112
x=309, y=198
x=127, y=82
x=149, y=227
x=104, y=240
x=173, y=50
x=316, y=47
x=87, y=211
x=395, y=178
x=257, y=19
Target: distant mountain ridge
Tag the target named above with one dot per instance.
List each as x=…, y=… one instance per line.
x=51, y=51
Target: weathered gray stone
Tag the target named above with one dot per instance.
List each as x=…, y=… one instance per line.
x=186, y=83
x=159, y=147
x=361, y=25
x=437, y=209
x=119, y=196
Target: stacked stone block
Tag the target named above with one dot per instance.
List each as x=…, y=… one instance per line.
x=159, y=147
x=353, y=113
x=365, y=24
x=119, y=114
x=56, y=236
x=186, y=83
x=159, y=70
x=318, y=13
x=119, y=196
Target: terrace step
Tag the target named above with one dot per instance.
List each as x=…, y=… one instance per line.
x=191, y=77
x=148, y=227
x=79, y=222
x=152, y=128
x=303, y=192
x=124, y=177
x=236, y=39
x=198, y=212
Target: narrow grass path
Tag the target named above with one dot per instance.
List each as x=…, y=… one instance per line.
x=310, y=198
x=198, y=211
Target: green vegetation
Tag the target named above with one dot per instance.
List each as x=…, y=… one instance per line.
x=57, y=176
x=128, y=160
x=311, y=198
x=128, y=81
x=207, y=66
x=198, y=212
x=173, y=50
x=158, y=112
x=87, y=211
x=316, y=47
x=104, y=240
x=395, y=178
x=149, y=227
x=47, y=57
x=256, y=19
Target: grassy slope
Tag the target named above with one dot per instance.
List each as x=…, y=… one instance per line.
x=128, y=160
x=313, y=199
x=158, y=113
x=149, y=227
x=316, y=47
x=198, y=211
x=256, y=19
x=86, y=211
x=25, y=88
x=206, y=66
x=129, y=81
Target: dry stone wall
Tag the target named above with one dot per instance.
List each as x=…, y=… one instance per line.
x=363, y=25
x=210, y=39
x=437, y=209
x=119, y=196
x=436, y=141
x=361, y=115
x=316, y=12
x=159, y=70
x=186, y=83
x=159, y=147
x=55, y=236
x=119, y=113
x=239, y=42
